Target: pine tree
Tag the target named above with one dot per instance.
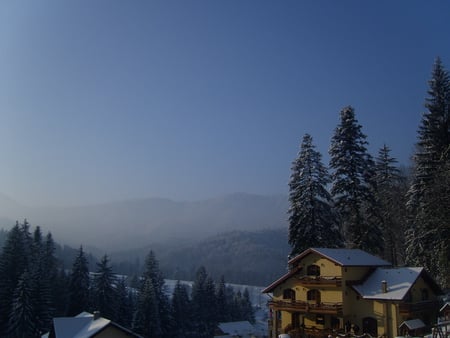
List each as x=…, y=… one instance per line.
x=312, y=222
x=22, y=318
x=124, y=313
x=181, y=312
x=204, y=304
x=153, y=318
x=79, y=285
x=425, y=244
x=353, y=185
x=222, y=302
x=390, y=195
x=103, y=290
x=12, y=265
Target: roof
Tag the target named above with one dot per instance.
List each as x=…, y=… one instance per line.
x=344, y=257
x=82, y=326
x=413, y=324
x=445, y=306
x=237, y=328
x=281, y=280
x=398, y=281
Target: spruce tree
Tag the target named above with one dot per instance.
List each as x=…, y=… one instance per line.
x=204, y=304
x=353, y=185
x=103, y=289
x=427, y=198
x=124, y=311
x=79, y=285
x=22, y=318
x=12, y=265
x=181, y=312
x=390, y=195
x=153, y=318
x=312, y=222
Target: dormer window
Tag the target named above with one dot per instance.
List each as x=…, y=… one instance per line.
x=313, y=270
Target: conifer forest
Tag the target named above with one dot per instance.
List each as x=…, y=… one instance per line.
x=359, y=200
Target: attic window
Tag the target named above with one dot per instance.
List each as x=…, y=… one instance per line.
x=313, y=270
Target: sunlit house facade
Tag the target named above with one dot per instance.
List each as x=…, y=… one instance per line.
x=332, y=291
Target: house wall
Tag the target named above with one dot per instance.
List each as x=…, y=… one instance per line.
x=113, y=332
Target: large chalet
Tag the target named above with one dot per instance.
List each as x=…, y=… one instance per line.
x=337, y=291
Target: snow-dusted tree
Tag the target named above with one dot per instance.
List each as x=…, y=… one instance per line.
x=426, y=197
x=391, y=189
x=103, y=289
x=13, y=263
x=203, y=304
x=353, y=185
x=181, y=312
x=153, y=318
x=79, y=285
x=124, y=303
x=312, y=222
x=22, y=318
x=222, y=302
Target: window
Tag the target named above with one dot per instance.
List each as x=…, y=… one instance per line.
x=320, y=319
x=289, y=294
x=313, y=295
x=313, y=270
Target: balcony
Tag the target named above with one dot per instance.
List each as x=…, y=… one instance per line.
x=408, y=309
x=305, y=307
x=322, y=281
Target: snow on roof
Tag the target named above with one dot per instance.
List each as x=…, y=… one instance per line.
x=398, y=282
x=412, y=324
x=446, y=305
x=347, y=257
x=237, y=328
x=68, y=327
x=92, y=328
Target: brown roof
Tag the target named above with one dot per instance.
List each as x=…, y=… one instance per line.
x=281, y=280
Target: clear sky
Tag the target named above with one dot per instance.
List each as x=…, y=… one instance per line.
x=189, y=99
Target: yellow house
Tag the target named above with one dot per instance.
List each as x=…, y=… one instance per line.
x=335, y=291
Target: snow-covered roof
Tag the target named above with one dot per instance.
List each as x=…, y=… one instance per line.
x=345, y=257
x=237, y=328
x=81, y=326
x=446, y=305
x=413, y=324
x=398, y=282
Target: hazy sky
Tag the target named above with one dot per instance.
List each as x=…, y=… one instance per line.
x=114, y=99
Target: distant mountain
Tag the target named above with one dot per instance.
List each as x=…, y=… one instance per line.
x=248, y=257
x=141, y=222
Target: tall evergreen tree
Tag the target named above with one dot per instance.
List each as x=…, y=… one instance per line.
x=353, y=185
x=222, y=302
x=12, y=265
x=204, y=304
x=124, y=311
x=390, y=195
x=79, y=285
x=103, y=289
x=312, y=222
x=181, y=312
x=427, y=198
x=153, y=309
x=22, y=318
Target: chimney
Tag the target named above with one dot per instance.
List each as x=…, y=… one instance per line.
x=384, y=287
x=96, y=315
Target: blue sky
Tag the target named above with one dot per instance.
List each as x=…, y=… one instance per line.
x=113, y=99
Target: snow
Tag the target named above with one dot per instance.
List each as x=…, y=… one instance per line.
x=350, y=257
x=398, y=280
x=413, y=324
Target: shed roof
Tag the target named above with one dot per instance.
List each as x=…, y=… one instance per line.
x=413, y=324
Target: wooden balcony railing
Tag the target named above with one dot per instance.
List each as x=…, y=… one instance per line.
x=305, y=307
x=407, y=309
x=323, y=281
